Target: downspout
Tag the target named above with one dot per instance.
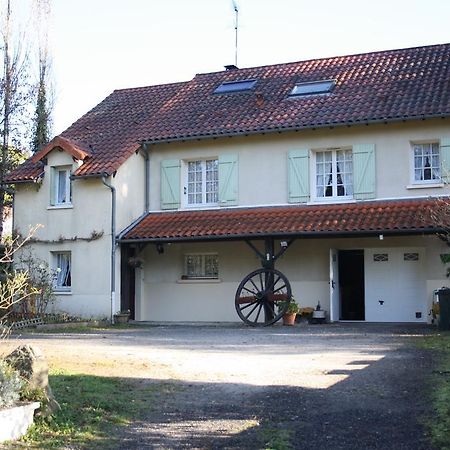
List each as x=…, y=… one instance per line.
x=113, y=244
x=147, y=179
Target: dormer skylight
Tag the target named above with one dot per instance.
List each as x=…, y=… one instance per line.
x=312, y=88
x=235, y=86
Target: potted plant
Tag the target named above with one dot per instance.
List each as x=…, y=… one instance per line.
x=122, y=316
x=291, y=311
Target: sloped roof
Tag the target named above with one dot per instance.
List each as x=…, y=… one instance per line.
x=377, y=217
x=381, y=86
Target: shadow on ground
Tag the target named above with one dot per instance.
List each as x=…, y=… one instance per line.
x=381, y=406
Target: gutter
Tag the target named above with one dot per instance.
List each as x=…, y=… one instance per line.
x=147, y=179
x=113, y=243
x=304, y=235
x=330, y=125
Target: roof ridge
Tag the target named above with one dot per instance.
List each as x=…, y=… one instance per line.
x=137, y=88
x=323, y=58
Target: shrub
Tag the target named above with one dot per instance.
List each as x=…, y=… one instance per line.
x=11, y=385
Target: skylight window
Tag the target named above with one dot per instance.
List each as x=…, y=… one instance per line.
x=312, y=88
x=235, y=86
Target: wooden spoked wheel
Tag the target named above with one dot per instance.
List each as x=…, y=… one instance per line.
x=263, y=297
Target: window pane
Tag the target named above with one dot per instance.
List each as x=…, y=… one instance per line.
x=61, y=188
x=426, y=162
x=63, y=270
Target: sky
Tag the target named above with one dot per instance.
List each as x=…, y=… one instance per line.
x=98, y=46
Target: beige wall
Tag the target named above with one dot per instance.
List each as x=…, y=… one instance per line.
x=90, y=211
x=263, y=159
x=162, y=297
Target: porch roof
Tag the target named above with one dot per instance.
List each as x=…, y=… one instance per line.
x=349, y=219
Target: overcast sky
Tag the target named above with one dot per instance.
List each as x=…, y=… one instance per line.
x=101, y=45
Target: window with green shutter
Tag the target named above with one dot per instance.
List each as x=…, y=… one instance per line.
x=170, y=184
x=364, y=171
x=228, y=180
x=298, y=176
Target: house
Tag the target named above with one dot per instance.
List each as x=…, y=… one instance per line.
x=162, y=199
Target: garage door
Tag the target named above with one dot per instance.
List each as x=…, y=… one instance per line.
x=395, y=289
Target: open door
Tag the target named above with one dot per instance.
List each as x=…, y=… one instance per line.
x=334, y=286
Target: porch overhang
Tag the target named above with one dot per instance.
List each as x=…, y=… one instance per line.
x=359, y=219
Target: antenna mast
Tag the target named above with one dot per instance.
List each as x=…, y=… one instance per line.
x=236, y=24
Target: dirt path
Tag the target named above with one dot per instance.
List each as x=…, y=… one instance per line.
x=311, y=387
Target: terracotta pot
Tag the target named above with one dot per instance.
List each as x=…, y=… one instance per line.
x=289, y=319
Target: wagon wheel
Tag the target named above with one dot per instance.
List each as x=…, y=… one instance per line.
x=260, y=295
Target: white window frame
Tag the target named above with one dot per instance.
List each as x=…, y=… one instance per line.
x=67, y=188
x=204, y=203
x=433, y=181
x=60, y=276
x=202, y=275
x=313, y=171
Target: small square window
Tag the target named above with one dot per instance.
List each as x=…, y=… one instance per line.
x=198, y=266
x=62, y=266
x=380, y=257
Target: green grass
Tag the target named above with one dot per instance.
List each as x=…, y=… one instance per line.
x=92, y=409
x=276, y=438
x=439, y=425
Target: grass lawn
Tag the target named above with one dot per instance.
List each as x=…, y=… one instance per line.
x=92, y=410
x=440, y=389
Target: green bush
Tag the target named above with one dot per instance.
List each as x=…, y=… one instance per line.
x=10, y=385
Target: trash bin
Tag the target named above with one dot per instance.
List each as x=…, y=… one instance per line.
x=444, y=308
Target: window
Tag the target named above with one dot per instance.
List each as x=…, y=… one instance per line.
x=201, y=266
x=312, y=88
x=235, y=86
x=380, y=257
x=202, y=182
x=334, y=173
x=63, y=271
x=426, y=163
x=61, y=186
x=410, y=257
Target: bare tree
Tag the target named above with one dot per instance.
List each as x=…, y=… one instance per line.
x=44, y=95
x=15, y=97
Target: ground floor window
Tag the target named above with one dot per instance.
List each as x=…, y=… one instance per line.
x=62, y=264
x=201, y=265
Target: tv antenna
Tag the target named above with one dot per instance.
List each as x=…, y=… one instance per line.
x=236, y=25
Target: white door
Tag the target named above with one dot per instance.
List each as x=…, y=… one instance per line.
x=334, y=286
x=395, y=288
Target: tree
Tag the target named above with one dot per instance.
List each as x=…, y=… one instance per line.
x=15, y=97
x=44, y=105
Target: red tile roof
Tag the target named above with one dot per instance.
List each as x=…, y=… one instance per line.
x=378, y=217
x=373, y=87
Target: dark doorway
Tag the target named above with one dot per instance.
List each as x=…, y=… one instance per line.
x=351, y=284
x=127, y=276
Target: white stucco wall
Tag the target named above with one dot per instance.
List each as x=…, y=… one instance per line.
x=163, y=297
x=263, y=159
x=67, y=228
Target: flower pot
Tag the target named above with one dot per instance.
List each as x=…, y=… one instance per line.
x=121, y=318
x=15, y=420
x=289, y=319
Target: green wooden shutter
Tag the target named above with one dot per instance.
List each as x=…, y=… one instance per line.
x=228, y=180
x=298, y=176
x=52, y=183
x=363, y=171
x=170, y=184
x=445, y=159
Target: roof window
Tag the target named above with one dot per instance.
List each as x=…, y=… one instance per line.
x=312, y=88
x=235, y=86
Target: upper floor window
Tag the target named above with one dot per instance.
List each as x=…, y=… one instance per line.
x=62, y=263
x=426, y=163
x=334, y=173
x=61, y=186
x=202, y=182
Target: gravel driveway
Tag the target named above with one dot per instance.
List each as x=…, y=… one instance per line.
x=343, y=386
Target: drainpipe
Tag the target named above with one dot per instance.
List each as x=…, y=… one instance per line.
x=147, y=178
x=113, y=243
